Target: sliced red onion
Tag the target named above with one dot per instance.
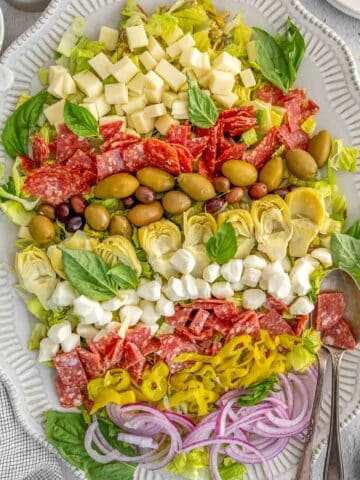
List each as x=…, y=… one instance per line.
x=143, y=442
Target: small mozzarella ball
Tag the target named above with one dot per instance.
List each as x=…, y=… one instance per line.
x=112, y=326
x=289, y=299
x=112, y=305
x=149, y=315
x=269, y=270
x=222, y=290
x=175, y=290
x=47, y=350
x=63, y=295
x=86, y=331
x=165, y=307
x=300, y=275
x=238, y=286
x=255, y=261
x=279, y=285
x=251, y=277
x=130, y=314
x=211, y=272
x=301, y=306
x=60, y=331
x=131, y=297
x=323, y=255
x=286, y=264
x=83, y=306
x=232, y=270
x=253, y=298
x=95, y=316
x=105, y=319
x=183, y=261
x=70, y=343
x=190, y=286
x=150, y=291
x=203, y=287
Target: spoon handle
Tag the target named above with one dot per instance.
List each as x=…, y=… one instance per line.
x=334, y=469
x=304, y=466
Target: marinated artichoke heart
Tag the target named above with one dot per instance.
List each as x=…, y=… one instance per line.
x=197, y=231
x=273, y=228
x=307, y=215
x=118, y=249
x=244, y=228
x=160, y=240
x=35, y=273
x=79, y=240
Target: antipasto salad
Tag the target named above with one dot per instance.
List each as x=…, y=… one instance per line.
x=177, y=209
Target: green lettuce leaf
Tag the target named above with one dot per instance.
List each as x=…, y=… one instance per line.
x=231, y=470
x=202, y=40
x=189, y=18
x=161, y=25
x=16, y=212
x=131, y=15
x=342, y=157
x=315, y=279
x=38, y=333
x=304, y=354
x=82, y=52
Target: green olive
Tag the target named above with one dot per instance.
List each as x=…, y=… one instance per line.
x=41, y=229
x=120, y=225
x=176, y=202
x=301, y=164
x=239, y=173
x=272, y=172
x=196, y=186
x=97, y=217
x=46, y=210
x=319, y=147
x=156, y=179
x=120, y=185
x=141, y=215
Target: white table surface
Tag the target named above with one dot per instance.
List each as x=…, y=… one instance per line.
x=348, y=28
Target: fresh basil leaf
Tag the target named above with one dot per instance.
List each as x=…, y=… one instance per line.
x=354, y=230
x=345, y=251
x=271, y=60
x=80, y=121
x=222, y=246
x=124, y=276
x=202, y=110
x=87, y=273
x=111, y=432
x=260, y=391
x=293, y=47
x=15, y=135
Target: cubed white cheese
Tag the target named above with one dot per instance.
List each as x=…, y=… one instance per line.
x=164, y=122
x=102, y=65
x=153, y=81
x=221, y=83
x=165, y=307
x=179, y=110
x=227, y=100
x=130, y=314
x=112, y=305
x=323, y=255
x=91, y=107
x=55, y=113
x=204, y=80
x=150, y=291
x=186, y=42
x=203, y=287
x=232, y=270
x=155, y=110
x=67, y=42
x=124, y=70
x=109, y=36
x=149, y=316
x=110, y=119
x=191, y=57
x=56, y=71
x=86, y=331
x=137, y=84
x=156, y=49
x=190, y=286
x=300, y=274
x=173, y=51
x=69, y=86
x=116, y=93
x=222, y=290
x=211, y=272
x=301, y=306
x=227, y=63
x=131, y=131
x=175, y=34
x=183, y=261
x=47, y=350
x=142, y=122
x=169, y=98
x=269, y=270
x=247, y=78
x=60, y=331
x=153, y=95
x=172, y=76
x=63, y=295
x=135, y=104
x=56, y=86
x=204, y=65
x=255, y=261
x=89, y=83
x=279, y=285
x=102, y=106
x=251, y=277
x=253, y=298
x=70, y=343
x=136, y=37
x=148, y=60
x=175, y=290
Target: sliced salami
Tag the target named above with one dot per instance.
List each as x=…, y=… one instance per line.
x=263, y=150
x=274, y=324
x=226, y=311
x=136, y=371
x=105, y=344
x=108, y=163
x=248, y=324
x=184, y=156
x=91, y=362
x=173, y=345
x=308, y=109
x=218, y=324
x=293, y=114
x=235, y=152
x=119, y=141
x=68, y=396
x=131, y=355
x=295, y=94
x=66, y=143
x=134, y=157
x=238, y=120
x=198, y=322
x=108, y=130
x=273, y=303
x=205, y=334
x=270, y=94
x=70, y=369
x=208, y=159
x=181, y=317
x=329, y=309
x=197, y=145
x=339, y=336
x=40, y=149
x=179, y=134
x=27, y=164
x=140, y=336
x=160, y=154
x=113, y=356
x=85, y=164
x=152, y=346
x=291, y=140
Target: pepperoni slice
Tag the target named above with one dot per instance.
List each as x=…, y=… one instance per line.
x=308, y=108
x=70, y=369
x=198, y=322
x=291, y=140
x=226, y=311
x=235, y=152
x=140, y=336
x=108, y=130
x=184, y=156
x=263, y=150
x=131, y=355
x=293, y=114
x=91, y=362
x=27, y=164
x=273, y=303
x=218, y=324
x=108, y=163
x=85, y=164
x=196, y=146
x=171, y=346
x=160, y=154
x=40, y=149
x=207, y=161
x=274, y=324
x=238, y=120
x=66, y=143
x=68, y=396
x=114, y=354
x=152, y=346
x=247, y=324
x=119, y=141
x=339, y=336
x=134, y=157
x=179, y=134
x=179, y=320
x=329, y=309
x=270, y=94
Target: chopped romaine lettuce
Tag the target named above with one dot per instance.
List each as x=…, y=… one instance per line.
x=202, y=40
x=309, y=125
x=82, y=52
x=16, y=212
x=191, y=464
x=304, y=354
x=231, y=470
x=315, y=279
x=241, y=35
x=43, y=74
x=249, y=137
x=38, y=333
x=131, y=15
x=189, y=18
x=342, y=157
x=161, y=25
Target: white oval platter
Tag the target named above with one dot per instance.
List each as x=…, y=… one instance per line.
x=328, y=73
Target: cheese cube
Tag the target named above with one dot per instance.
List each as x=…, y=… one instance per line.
x=109, y=36
x=168, y=98
x=102, y=65
x=54, y=71
x=153, y=81
x=135, y=104
x=153, y=95
x=173, y=50
x=137, y=84
x=172, y=76
x=163, y=123
x=91, y=107
x=156, y=49
x=142, y=122
x=69, y=86
x=204, y=80
x=110, y=119
x=55, y=113
x=179, y=110
x=251, y=51
x=204, y=65
x=155, y=110
x=116, y=93
x=136, y=37
x=102, y=106
x=67, y=42
x=89, y=84
x=186, y=42
x=148, y=60
x=55, y=87
x=124, y=70
x=247, y=78
x=227, y=63
x=221, y=82
x=227, y=100
x=173, y=36
x=191, y=57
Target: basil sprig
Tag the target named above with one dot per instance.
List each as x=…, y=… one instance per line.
x=345, y=250
x=202, y=110
x=15, y=135
x=222, y=246
x=259, y=391
x=124, y=276
x=80, y=121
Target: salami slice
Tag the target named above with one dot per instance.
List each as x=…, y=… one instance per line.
x=224, y=144
x=238, y=120
x=136, y=370
x=184, y=156
x=40, y=149
x=197, y=145
x=273, y=303
x=293, y=114
x=208, y=159
x=91, y=362
x=291, y=140
x=152, y=346
x=226, y=311
x=179, y=134
x=263, y=150
x=339, y=336
x=85, y=164
x=113, y=356
x=160, y=154
x=108, y=130
x=295, y=94
x=105, y=344
x=120, y=141
x=134, y=157
x=270, y=94
x=140, y=336
x=171, y=346
x=208, y=303
x=235, y=152
x=218, y=324
x=181, y=317
x=66, y=143
x=108, y=163
x=27, y=164
x=329, y=309
x=275, y=324
x=308, y=109
x=131, y=355
x=205, y=334
x=247, y=324
x=68, y=396
x=198, y=322
x=70, y=369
